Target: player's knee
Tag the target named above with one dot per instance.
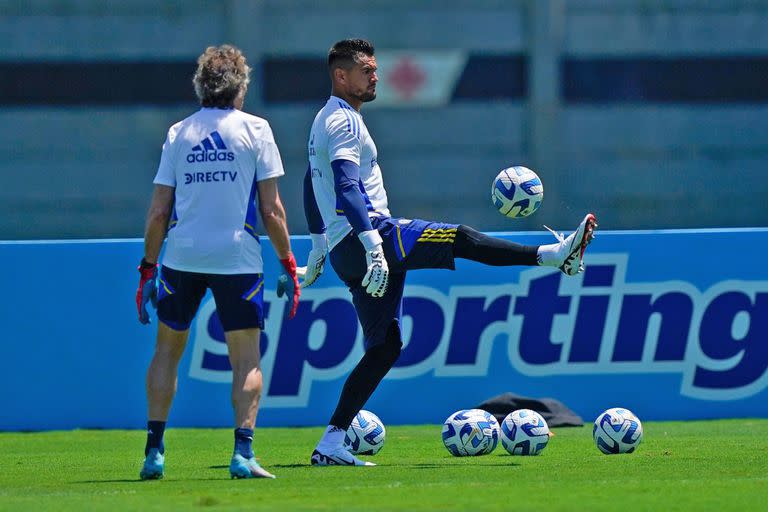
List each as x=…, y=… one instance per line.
x=466, y=240
x=393, y=342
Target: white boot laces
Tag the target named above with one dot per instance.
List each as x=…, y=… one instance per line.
x=560, y=236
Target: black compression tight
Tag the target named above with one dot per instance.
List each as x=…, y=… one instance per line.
x=378, y=360
x=364, y=379
x=473, y=245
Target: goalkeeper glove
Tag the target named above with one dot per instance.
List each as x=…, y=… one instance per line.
x=290, y=282
x=377, y=275
x=315, y=260
x=147, y=291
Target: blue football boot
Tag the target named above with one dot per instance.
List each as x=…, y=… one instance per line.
x=240, y=467
x=154, y=465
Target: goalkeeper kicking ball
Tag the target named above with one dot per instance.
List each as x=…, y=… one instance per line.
x=617, y=430
x=365, y=436
x=517, y=192
x=470, y=432
x=524, y=432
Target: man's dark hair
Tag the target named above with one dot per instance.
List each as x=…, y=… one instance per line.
x=344, y=54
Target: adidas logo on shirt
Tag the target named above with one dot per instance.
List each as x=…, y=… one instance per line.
x=210, y=149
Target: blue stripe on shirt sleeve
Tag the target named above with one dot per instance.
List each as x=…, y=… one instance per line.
x=346, y=183
x=353, y=123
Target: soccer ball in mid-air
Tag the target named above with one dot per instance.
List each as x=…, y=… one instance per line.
x=524, y=432
x=517, y=192
x=470, y=432
x=365, y=436
x=617, y=430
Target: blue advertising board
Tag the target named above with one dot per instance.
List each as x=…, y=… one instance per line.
x=670, y=324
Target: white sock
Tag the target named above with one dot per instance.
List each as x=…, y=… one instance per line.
x=333, y=438
x=547, y=255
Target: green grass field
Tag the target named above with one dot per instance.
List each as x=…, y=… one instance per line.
x=706, y=465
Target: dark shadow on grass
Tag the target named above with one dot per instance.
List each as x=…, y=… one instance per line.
x=448, y=466
x=146, y=482
x=114, y=481
x=401, y=465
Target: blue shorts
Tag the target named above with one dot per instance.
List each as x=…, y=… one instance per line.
x=408, y=245
x=239, y=298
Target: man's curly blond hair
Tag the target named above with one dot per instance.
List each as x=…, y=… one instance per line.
x=222, y=74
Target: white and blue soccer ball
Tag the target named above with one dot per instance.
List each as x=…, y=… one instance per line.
x=617, y=430
x=524, y=432
x=470, y=432
x=366, y=434
x=517, y=192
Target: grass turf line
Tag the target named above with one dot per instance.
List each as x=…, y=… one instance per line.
x=704, y=465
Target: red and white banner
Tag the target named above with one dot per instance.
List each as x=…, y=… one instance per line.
x=417, y=79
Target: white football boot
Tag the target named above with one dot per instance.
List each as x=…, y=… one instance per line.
x=338, y=457
x=570, y=254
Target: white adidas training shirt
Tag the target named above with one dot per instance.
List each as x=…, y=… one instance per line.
x=214, y=158
x=339, y=133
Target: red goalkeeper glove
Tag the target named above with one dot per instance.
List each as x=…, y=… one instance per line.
x=290, y=283
x=147, y=291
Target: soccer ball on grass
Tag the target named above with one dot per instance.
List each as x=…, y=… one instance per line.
x=365, y=436
x=617, y=430
x=470, y=432
x=524, y=432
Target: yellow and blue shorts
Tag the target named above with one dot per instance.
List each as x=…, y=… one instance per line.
x=409, y=244
x=239, y=298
